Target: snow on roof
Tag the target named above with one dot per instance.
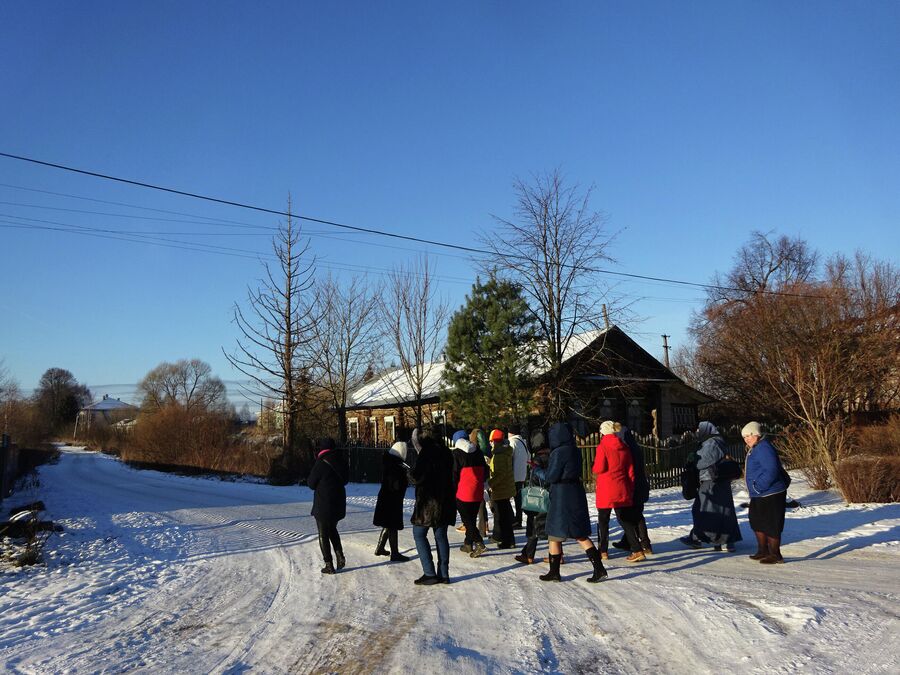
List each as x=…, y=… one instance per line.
x=109, y=404
x=576, y=344
x=393, y=387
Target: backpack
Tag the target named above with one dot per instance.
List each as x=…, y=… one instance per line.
x=690, y=479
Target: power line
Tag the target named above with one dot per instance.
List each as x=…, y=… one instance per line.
x=367, y=230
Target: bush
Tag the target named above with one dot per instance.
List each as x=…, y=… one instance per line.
x=26, y=429
x=869, y=478
x=174, y=437
x=881, y=439
x=814, y=451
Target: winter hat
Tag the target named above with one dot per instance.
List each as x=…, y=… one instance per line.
x=608, y=427
x=324, y=445
x=538, y=440
x=496, y=435
x=465, y=445
x=398, y=449
x=459, y=434
x=416, y=443
x=751, y=429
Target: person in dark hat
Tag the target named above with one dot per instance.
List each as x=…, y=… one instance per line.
x=327, y=479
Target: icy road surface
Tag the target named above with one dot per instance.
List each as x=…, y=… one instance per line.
x=161, y=573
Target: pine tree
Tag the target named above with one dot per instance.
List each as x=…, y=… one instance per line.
x=489, y=354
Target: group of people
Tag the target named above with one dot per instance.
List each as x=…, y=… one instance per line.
x=714, y=517
x=487, y=472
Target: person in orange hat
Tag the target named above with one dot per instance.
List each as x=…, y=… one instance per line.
x=503, y=488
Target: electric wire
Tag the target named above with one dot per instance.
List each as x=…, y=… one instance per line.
x=367, y=230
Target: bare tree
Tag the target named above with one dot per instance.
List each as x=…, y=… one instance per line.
x=552, y=250
x=9, y=394
x=189, y=384
x=344, y=340
x=415, y=321
x=808, y=351
x=274, y=328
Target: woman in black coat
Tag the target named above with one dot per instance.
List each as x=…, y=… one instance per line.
x=389, y=507
x=327, y=479
x=435, y=508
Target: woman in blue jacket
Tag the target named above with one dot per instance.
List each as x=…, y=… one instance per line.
x=767, y=484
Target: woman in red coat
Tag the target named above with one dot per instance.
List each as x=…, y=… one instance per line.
x=615, y=490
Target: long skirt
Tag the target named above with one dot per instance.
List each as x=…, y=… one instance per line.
x=715, y=521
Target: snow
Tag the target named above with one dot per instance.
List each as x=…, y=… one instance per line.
x=164, y=573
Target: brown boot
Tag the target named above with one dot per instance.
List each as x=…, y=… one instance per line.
x=637, y=556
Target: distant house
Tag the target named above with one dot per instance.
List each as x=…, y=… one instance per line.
x=384, y=408
x=613, y=377
x=108, y=412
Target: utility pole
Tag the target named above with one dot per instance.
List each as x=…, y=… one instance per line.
x=666, y=349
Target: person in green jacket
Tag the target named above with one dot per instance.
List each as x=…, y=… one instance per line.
x=503, y=488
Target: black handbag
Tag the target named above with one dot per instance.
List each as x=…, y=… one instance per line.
x=728, y=469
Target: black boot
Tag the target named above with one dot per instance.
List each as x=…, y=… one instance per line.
x=553, y=574
x=382, y=540
x=325, y=547
x=396, y=556
x=599, y=572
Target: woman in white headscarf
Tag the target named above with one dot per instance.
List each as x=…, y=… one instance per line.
x=389, y=507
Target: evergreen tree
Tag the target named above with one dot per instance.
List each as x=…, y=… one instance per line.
x=490, y=349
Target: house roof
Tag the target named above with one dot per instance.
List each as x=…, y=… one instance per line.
x=391, y=388
x=109, y=404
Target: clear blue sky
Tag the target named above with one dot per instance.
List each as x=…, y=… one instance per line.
x=697, y=122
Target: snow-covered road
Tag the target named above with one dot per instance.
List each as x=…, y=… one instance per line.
x=161, y=573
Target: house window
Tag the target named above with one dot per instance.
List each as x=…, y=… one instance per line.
x=373, y=423
x=353, y=428
x=389, y=434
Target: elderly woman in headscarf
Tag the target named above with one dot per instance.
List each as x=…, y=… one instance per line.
x=715, y=521
x=389, y=507
x=327, y=479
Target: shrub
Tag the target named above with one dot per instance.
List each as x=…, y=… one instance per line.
x=175, y=437
x=881, y=439
x=869, y=478
x=815, y=450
